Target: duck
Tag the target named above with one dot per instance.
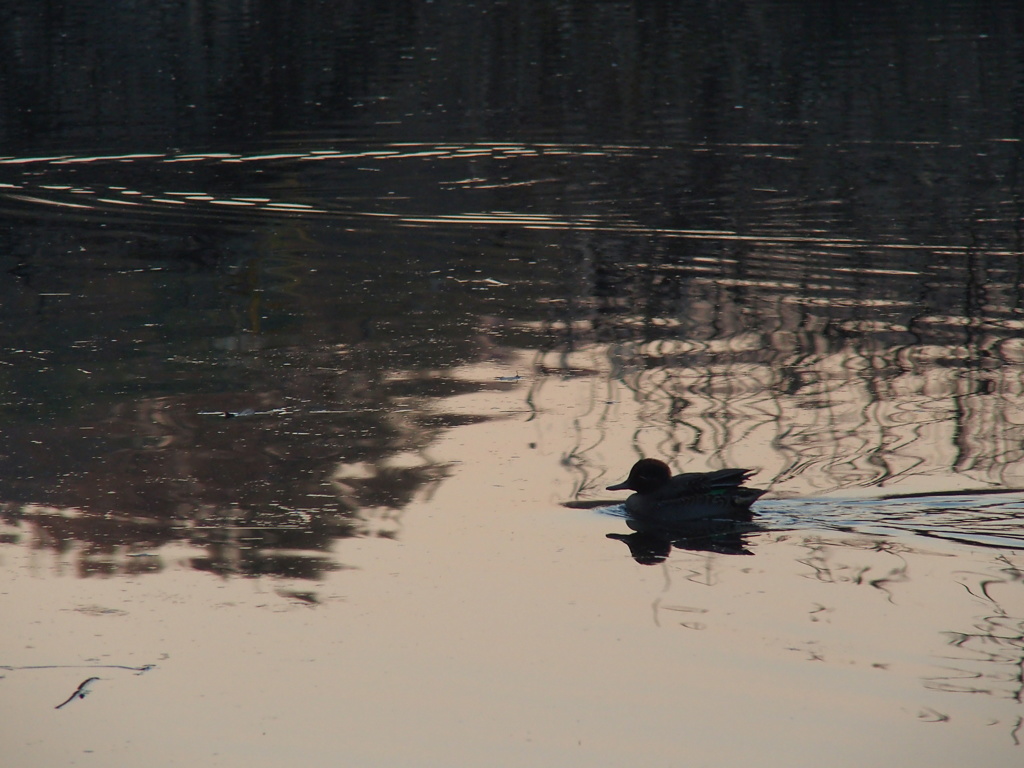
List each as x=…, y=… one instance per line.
x=663, y=501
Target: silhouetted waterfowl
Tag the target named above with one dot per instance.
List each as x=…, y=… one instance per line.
x=662, y=500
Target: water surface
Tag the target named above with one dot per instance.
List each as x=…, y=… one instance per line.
x=312, y=377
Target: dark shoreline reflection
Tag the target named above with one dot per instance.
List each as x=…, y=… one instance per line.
x=136, y=76
x=265, y=492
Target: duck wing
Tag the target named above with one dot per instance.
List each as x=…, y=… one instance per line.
x=705, y=482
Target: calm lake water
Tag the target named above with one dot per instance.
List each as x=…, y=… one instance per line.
x=321, y=335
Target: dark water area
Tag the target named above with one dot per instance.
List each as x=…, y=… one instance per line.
x=324, y=326
x=186, y=75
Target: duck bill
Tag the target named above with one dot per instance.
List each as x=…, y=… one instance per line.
x=618, y=486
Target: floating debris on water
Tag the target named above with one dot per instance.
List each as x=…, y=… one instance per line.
x=83, y=690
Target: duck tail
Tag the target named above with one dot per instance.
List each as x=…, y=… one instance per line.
x=726, y=479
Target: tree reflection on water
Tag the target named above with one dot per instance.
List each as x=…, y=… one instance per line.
x=280, y=375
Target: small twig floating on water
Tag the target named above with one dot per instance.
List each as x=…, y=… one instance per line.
x=136, y=670
x=81, y=692
x=85, y=687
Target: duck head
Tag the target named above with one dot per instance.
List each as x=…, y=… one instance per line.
x=646, y=476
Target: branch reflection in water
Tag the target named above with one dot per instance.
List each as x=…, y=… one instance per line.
x=847, y=385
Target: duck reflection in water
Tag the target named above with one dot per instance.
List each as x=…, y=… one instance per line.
x=650, y=547
x=695, y=510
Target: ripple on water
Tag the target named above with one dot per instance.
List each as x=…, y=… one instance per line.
x=990, y=519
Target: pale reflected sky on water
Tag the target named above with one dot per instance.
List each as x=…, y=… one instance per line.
x=496, y=622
